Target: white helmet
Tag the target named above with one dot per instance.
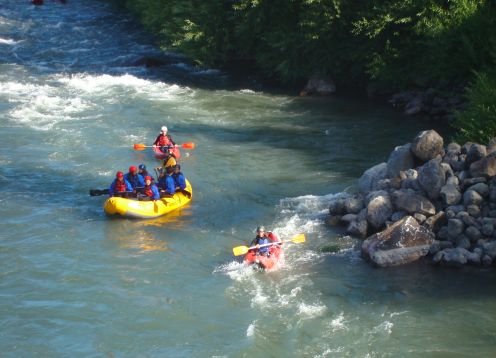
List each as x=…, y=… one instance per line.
x=164, y=129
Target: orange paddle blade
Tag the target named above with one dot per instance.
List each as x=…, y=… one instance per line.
x=188, y=145
x=139, y=146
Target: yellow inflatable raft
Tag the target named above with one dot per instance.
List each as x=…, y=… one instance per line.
x=147, y=209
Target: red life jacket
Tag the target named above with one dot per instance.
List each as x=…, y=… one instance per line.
x=148, y=191
x=164, y=140
x=272, y=237
x=120, y=186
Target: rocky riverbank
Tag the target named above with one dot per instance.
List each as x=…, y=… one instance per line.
x=426, y=200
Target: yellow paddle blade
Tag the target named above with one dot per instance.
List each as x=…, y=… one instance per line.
x=298, y=239
x=240, y=250
x=139, y=146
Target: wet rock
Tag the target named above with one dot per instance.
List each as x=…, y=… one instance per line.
x=403, y=242
x=337, y=206
x=359, y=227
x=320, y=85
x=348, y=218
x=456, y=257
x=368, y=181
x=427, y=145
x=400, y=159
x=411, y=202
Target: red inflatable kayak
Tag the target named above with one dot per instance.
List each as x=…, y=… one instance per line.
x=159, y=154
x=265, y=262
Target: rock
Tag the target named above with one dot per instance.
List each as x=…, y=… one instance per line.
x=481, y=188
x=411, y=202
x=475, y=152
x=334, y=220
x=487, y=261
x=487, y=229
x=359, y=227
x=443, y=233
x=456, y=257
x=450, y=194
x=431, y=178
x=455, y=228
x=320, y=85
x=453, y=181
x=490, y=249
x=471, y=197
x=379, y=209
x=427, y=145
x=403, y=242
x=491, y=146
x=398, y=215
x=435, y=222
x=353, y=205
x=474, y=258
x=337, y=204
x=485, y=167
x=448, y=172
x=473, y=234
x=368, y=181
x=400, y=159
x=435, y=247
x=348, y=218
x=474, y=211
x=415, y=106
x=463, y=242
x=472, y=181
x=462, y=175
x=453, y=148
x=419, y=217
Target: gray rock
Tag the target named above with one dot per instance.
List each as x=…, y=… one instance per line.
x=454, y=148
x=466, y=147
x=481, y=188
x=320, y=85
x=431, y=178
x=435, y=247
x=462, y=175
x=473, y=234
x=471, y=197
x=450, y=194
x=455, y=228
x=487, y=229
x=491, y=146
x=490, y=249
x=448, y=172
x=485, y=167
x=474, y=211
x=353, y=204
x=455, y=208
x=443, y=233
x=410, y=202
x=379, y=209
x=475, y=152
x=419, y=217
x=360, y=226
x=333, y=220
x=474, y=258
x=403, y=242
x=457, y=165
x=368, y=181
x=427, y=145
x=348, y=218
x=472, y=181
x=463, y=242
x=453, y=181
x=456, y=257
x=400, y=159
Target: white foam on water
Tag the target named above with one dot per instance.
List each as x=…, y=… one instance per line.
x=306, y=311
x=338, y=323
x=250, y=331
x=385, y=327
x=8, y=41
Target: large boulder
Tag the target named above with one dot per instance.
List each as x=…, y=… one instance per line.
x=359, y=226
x=409, y=201
x=371, y=177
x=431, y=178
x=379, y=209
x=450, y=194
x=403, y=242
x=400, y=159
x=427, y=145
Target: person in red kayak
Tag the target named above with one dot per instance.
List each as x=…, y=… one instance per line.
x=164, y=141
x=120, y=186
x=150, y=191
x=263, y=238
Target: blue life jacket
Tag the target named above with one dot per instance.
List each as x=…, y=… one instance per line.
x=261, y=241
x=179, y=180
x=136, y=181
x=167, y=183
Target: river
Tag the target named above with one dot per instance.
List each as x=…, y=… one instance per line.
x=76, y=283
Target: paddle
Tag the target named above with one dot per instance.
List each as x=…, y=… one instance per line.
x=187, y=145
x=241, y=250
x=98, y=192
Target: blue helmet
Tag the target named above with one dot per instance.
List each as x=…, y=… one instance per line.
x=142, y=167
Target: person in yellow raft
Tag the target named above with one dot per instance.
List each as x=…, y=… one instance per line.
x=168, y=162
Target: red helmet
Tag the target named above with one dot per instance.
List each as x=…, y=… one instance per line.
x=132, y=169
x=119, y=175
x=148, y=178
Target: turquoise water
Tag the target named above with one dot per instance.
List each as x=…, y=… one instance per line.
x=76, y=283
